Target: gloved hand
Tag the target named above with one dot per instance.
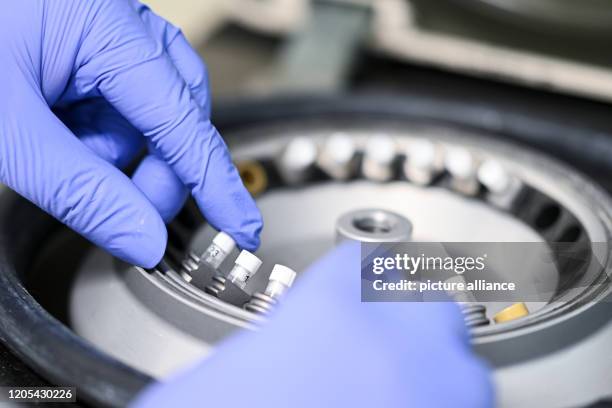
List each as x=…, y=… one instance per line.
x=324, y=348
x=86, y=85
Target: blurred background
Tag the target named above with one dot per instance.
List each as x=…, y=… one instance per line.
x=263, y=47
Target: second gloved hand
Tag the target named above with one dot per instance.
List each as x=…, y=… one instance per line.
x=86, y=86
x=325, y=348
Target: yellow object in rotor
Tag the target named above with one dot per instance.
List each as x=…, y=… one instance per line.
x=510, y=313
x=253, y=176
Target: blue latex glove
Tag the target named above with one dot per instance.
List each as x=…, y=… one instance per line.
x=324, y=348
x=86, y=85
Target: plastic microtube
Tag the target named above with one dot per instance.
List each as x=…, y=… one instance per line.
x=462, y=168
x=280, y=280
x=222, y=244
x=246, y=266
x=493, y=176
x=459, y=163
x=298, y=158
x=378, y=158
x=337, y=156
x=420, y=166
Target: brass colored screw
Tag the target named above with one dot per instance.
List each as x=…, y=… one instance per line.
x=253, y=176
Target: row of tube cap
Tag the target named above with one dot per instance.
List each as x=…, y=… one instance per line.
x=232, y=287
x=425, y=161
x=282, y=277
x=341, y=157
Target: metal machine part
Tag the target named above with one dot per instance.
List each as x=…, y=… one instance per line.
x=279, y=282
x=154, y=321
x=439, y=212
x=474, y=314
x=373, y=225
x=231, y=288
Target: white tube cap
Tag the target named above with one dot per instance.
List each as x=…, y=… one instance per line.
x=340, y=148
x=283, y=275
x=459, y=162
x=380, y=149
x=248, y=261
x=493, y=176
x=224, y=241
x=300, y=153
x=422, y=153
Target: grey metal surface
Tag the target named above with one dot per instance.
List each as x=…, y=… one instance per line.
x=158, y=322
x=373, y=225
x=131, y=316
x=105, y=311
x=575, y=376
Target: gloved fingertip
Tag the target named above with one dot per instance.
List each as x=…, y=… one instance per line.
x=144, y=246
x=247, y=235
x=232, y=210
x=151, y=254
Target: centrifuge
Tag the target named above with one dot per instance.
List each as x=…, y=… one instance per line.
x=369, y=168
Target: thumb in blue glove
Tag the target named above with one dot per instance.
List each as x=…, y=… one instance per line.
x=324, y=348
x=86, y=86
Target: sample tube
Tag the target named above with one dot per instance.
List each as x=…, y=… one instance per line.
x=246, y=266
x=297, y=160
x=222, y=244
x=421, y=162
x=462, y=168
x=280, y=280
x=493, y=176
x=378, y=158
x=337, y=157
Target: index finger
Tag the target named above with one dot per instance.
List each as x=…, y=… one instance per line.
x=133, y=72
